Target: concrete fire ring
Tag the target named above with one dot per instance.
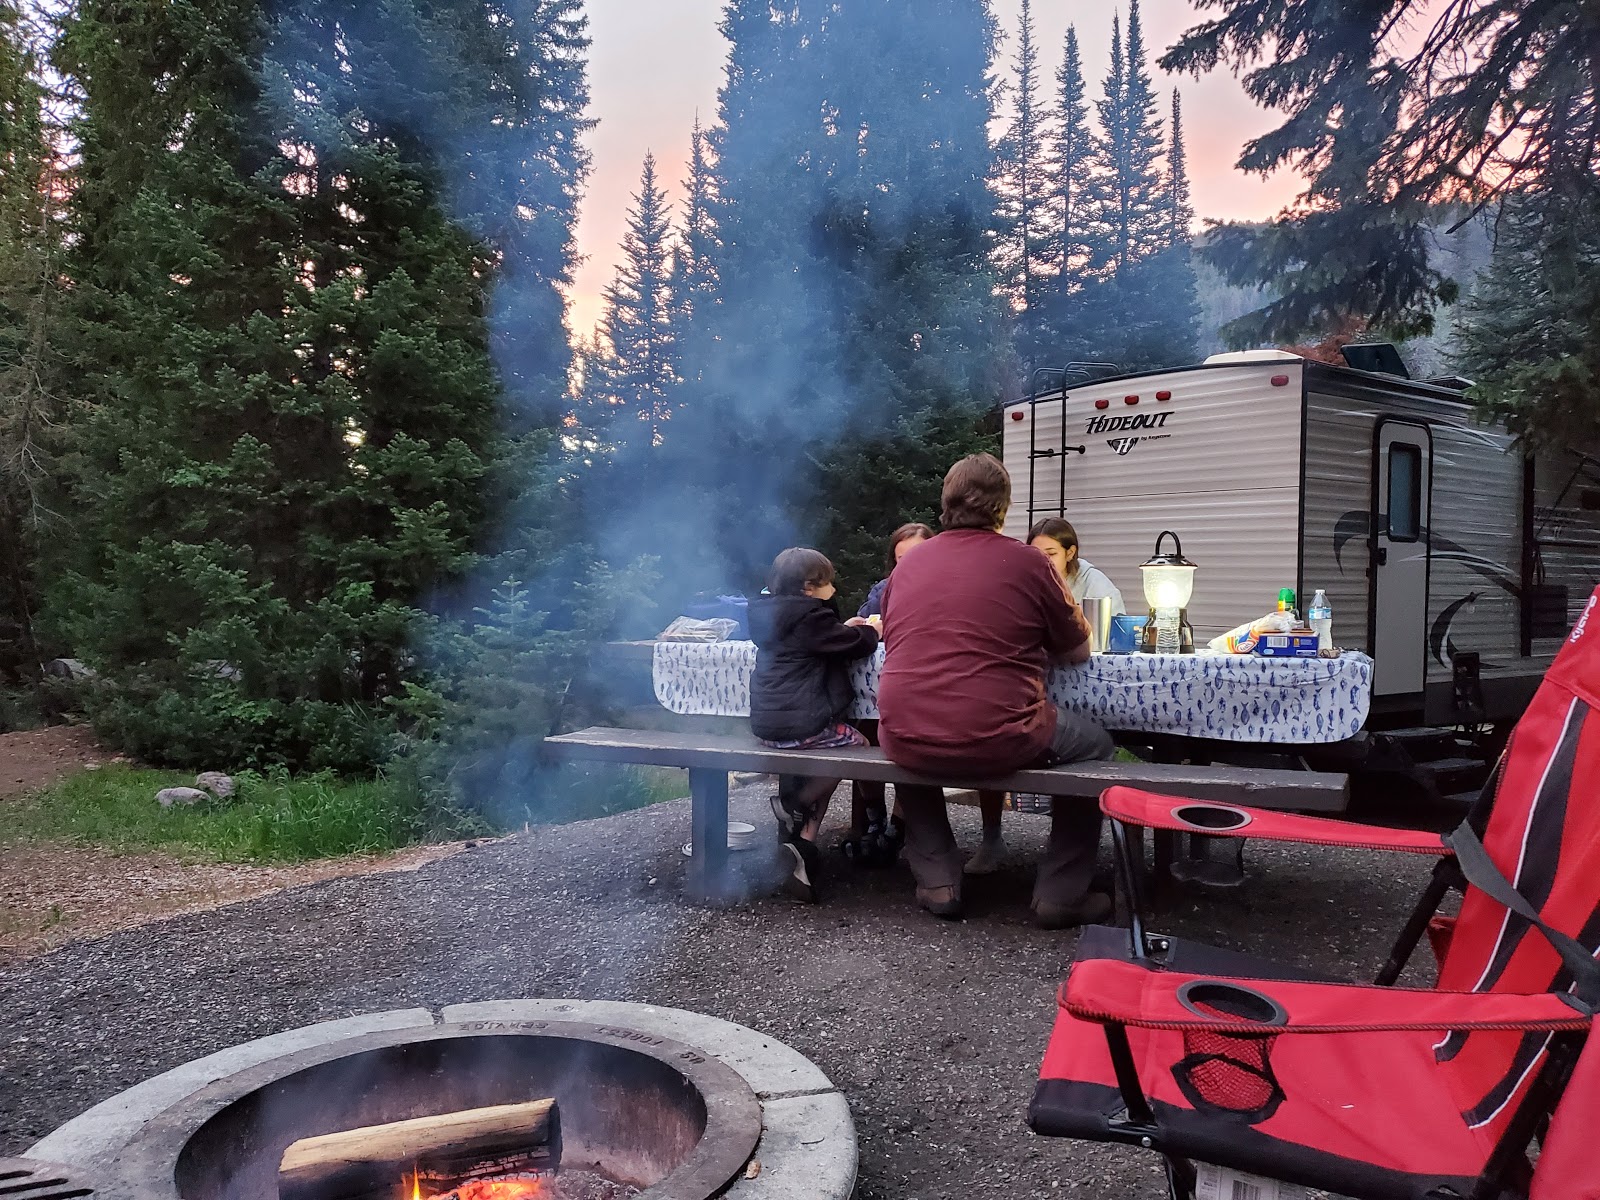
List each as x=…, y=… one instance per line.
x=806, y=1151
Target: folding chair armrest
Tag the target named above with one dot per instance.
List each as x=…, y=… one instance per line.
x=1116, y=992
x=1216, y=819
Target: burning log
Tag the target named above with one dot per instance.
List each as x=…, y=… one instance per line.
x=373, y=1161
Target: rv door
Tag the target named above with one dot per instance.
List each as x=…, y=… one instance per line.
x=1403, y=471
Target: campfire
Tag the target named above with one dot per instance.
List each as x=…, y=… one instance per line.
x=504, y=1152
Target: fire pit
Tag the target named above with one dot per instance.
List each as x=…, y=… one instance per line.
x=515, y=1100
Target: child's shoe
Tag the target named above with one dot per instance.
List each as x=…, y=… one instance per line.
x=804, y=874
x=791, y=818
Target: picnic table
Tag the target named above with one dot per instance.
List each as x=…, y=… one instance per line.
x=1220, y=697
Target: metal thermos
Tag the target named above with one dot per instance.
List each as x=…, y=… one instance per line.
x=1097, y=610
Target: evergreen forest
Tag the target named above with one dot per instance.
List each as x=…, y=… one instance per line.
x=303, y=467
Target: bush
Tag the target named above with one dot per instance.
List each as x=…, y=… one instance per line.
x=215, y=724
x=20, y=708
x=503, y=684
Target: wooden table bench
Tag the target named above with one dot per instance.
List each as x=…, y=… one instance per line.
x=710, y=757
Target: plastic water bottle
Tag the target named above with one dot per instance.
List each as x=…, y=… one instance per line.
x=1322, y=620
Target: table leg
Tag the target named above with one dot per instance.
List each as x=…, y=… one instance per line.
x=708, y=864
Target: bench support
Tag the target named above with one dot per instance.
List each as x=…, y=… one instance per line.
x=708, y=864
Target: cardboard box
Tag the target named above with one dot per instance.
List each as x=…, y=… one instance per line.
x=1300, y=644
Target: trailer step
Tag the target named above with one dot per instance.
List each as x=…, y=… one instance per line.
x=1451, y=776
x=1452, y=766
x=1422, y=744
x=1422, y=733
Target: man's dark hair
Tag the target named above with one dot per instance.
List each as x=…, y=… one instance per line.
x=796, y=567
x=904, y=534
x=977, y=492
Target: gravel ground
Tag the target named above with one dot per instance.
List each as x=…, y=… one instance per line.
x=933, y=1030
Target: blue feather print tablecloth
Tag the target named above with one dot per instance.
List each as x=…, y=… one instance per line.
x=1229, y=698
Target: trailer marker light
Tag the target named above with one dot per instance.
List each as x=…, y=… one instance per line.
x=1163, y=395
x=1280, y=381
x=1130, y=399
x=1018, y=415
x=1102, y=404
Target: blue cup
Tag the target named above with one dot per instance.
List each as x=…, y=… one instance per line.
x=1125, y=634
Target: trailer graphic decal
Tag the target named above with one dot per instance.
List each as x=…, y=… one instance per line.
x=1128, y=421
x=1123, y=445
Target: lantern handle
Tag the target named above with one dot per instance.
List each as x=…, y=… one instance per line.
x=1167, y=533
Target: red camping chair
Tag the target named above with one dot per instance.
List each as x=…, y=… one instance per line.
x=1372, y=1091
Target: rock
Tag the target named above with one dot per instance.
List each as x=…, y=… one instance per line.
x=68, y=668
x=223, y=670
x=167, y=797
x=219, y=785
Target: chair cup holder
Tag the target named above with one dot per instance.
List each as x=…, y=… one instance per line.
x=1210, y=818
x=1219, y=1000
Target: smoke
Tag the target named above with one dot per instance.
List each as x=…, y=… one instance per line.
x=855, y=312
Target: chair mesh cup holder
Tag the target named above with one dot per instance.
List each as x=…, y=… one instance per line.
x=1226, y=1074
x=1210, y=818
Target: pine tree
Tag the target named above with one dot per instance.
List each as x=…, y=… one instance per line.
x=1025, y=256
x=1140, y=307
x=694, y=266
x=1179, y=207
x=1139, y=181
x=1160, y=291
x=1129, y=157
x=30, y=406
x=289, y=340
x=1110, y=160
x=1065, y=330
x=1531, y=330
x=639, y=368
x=1070, y=164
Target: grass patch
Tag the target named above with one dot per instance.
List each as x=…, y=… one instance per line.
x=279, y=819
x=272, y=818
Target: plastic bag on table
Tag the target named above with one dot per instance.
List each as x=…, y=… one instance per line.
x=687, y=629
x=1242, y=640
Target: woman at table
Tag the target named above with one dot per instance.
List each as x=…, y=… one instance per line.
x=1058, y=541
x=901, y=542
x=875, y=838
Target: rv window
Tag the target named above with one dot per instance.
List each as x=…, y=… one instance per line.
x=1405, y=493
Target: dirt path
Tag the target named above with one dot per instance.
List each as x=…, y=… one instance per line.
x=51, y=893
x=37, y=758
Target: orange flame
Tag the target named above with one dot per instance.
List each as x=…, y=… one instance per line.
x=512, y=1187
x=524, y=1188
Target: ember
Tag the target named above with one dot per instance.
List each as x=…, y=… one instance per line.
x=516, y=1187
x=568, y=1185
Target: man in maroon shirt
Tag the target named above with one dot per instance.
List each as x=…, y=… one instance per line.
x=972, y=622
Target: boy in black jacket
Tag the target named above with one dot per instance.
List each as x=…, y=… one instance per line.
x=800, y=691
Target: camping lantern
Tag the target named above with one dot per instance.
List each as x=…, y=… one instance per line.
x=1168, y=586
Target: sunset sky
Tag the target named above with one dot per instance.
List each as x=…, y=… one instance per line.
x=655, y=63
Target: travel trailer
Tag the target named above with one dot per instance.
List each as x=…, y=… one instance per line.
x=1451, y=557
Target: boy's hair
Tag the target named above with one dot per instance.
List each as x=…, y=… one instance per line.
x=796, y=567
x=977, y=493
x=904, y=534
x=1058, y=531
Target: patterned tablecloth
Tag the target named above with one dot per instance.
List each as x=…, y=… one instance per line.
x=1230, y=698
